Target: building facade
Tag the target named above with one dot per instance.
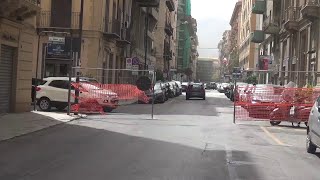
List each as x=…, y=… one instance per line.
x=100, y=40
x=249, y=35
x=17, y=53
x=292, y=40
x=165, y=34
x=207, y=69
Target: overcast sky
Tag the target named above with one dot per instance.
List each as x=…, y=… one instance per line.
x=213, y=18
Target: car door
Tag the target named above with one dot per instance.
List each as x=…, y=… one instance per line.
x=58, y=91
x=314, y=123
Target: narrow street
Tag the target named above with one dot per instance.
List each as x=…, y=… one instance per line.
x=193, y=139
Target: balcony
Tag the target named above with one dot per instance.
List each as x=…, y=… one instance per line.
x=148, y=3
x=19, y=9
x=259, y=7
x=44, y=21
x=291, y=19
x=257, y=36
x=113, y=29
x=125, y=37
x=170, y=5
x=168, y=28
x=271, y=26
x=311, y=9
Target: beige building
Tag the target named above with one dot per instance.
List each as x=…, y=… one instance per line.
x=17, y=47
x=249, y=35
x=165, y=37
x=105, y=37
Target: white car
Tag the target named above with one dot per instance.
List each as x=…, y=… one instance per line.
x=53, y=92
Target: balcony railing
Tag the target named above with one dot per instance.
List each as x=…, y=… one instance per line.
x=125, y=37
x=291, y=18
x=311, y=9
x=148, y=3
x=257, y=36
x=292, y=14
x=271, y=26
x=113, y=29
x=44, y=20
x=21, y=9
x=259, y=7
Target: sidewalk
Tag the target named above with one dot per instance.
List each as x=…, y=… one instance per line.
x=13, y=125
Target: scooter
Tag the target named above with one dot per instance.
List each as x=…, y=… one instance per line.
x=294, y=113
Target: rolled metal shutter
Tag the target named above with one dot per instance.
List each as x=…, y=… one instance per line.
x=6, y=63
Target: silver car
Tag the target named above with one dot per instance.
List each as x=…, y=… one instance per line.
x=313, y=129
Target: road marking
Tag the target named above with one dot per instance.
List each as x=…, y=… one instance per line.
x=272, y=136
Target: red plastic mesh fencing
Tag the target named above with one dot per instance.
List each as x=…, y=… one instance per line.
x=274, y=103
x=102, y=98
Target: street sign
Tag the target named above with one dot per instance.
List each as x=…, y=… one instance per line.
x=135, y=61
x=129, y=63
x=57, y=40
x=135, y=70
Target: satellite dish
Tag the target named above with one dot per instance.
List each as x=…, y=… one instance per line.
x=143, y=83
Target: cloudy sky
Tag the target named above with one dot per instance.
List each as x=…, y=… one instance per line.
x=213, y=18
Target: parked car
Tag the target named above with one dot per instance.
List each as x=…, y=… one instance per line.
x=223, y=87
x=184, y=86
x=34, y=87
x=179, y=87
x=54, y=93
x=159, y=93
x=212, y=85
x=173, y=88
x=313, y=129
x=235, y=93
x=196, y=90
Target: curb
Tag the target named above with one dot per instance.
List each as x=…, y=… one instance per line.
x=43, y=129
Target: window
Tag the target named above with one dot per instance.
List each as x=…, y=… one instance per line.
x=59, y=84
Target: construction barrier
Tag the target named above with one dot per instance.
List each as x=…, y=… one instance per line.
x=105, y=90
x=274, y=103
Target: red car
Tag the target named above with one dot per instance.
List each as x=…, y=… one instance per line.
x=196, y=90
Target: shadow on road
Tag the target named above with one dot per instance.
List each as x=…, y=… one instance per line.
x=75, y=152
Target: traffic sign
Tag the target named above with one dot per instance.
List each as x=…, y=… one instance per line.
x=129, y=63
x=135, y=61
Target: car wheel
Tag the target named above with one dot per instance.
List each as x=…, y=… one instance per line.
x=61, y=107
x=306, y=123
x=275, y=123
x=45, y=104
x=311, y=148
x=107, y=109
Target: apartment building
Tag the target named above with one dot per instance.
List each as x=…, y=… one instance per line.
x=206, y=69
x=104, y=32
x=250, y=34
x=234, y=37
x=165, y=34
x=292, y=40
x=185, y=31
x=17, y=52
x=194, y=49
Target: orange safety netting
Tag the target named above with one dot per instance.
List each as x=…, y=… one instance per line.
x=274, y=103
x=101, y=98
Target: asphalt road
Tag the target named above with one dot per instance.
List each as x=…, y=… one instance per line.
x=193, y=139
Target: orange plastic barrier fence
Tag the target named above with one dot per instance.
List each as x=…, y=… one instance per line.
x=274, y=103
x=102, y=98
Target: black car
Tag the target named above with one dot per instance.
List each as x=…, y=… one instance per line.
x=159, y=93
x=196, y=90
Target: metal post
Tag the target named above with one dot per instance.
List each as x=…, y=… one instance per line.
x=76, y=101
x=70, y=74
x=153, y=96
x=36, y=85
x=146, y=39
x=234, y=101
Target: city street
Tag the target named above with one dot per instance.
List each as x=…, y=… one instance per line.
x=192, y=139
